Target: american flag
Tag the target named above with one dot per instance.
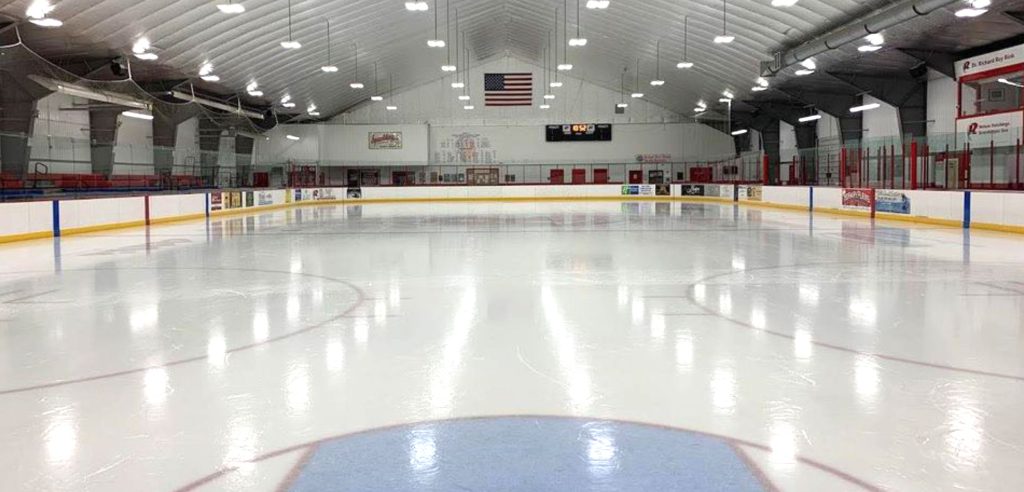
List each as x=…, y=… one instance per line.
x=508, y=89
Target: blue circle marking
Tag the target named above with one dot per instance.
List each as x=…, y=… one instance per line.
x=526, y=453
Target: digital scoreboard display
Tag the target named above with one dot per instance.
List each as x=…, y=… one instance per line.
x=579, y=132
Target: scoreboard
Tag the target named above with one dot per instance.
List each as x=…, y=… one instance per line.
x=579, y=132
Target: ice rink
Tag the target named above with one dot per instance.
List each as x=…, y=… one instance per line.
x=514, y=346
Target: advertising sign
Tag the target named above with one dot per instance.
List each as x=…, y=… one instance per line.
x=751, y=193
x=1000, y=128
x=891, y=201
x=216, y=202
x=298, y=195
x=990, y=61
x=264, y=198
x=692, y=190
x=858, y=198
x=249, y=199
x=663, y=190
x=354, y=193
x=638, y=190
x=385, y=140
x=236, y=199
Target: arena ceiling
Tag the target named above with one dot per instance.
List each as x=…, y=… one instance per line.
x=245, y=48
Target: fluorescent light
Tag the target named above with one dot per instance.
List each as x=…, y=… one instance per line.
x=38, y=9
x=622, y=105
x=311, y=109
x=866, y=107
x=597, y=4
x=578, y=42
x=292, y=137
x=146, y=56
x=1010, y=82
x=314, y=113
x=657, y=83
x=468, y=107
x=981, y=4
x=739, y=132
x=391, y=108
x=549, y=96
x=763, y=82
x=813, y=117
x=436, y=43
x=727, y=93
x=329, y=69
x=256, y=93
x=803, y=71
x=448, y=68
x=684, y=64
x=206, y=69
x=288, y=105
x=809, y=64
x=545, y=106
x=458, y=85
x=724, y=39
x=286, y=99
x=376, y=98
x=637, y=95
x=231, y=8
x=758, y=88
x=564, y=67
x=417, y=6
x=291, y=45
x=464, y=97
x=46, y=22
x=784, y=3
x=969, y=12
x=210, y=78
x=141, y=46
x=137, y=115
x=555, y=85
x=725, y=100
x=875, y=38
x=699, y=110
x=867, y=48
x=356, y=85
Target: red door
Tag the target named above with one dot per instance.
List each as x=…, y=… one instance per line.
x=557, y=176
x=579, y=176
x=636, y=177
x=600, y=176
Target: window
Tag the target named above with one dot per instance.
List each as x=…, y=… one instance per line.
x=992, y=94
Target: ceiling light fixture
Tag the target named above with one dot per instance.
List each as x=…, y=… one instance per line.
x=419, y=6
x=545, y=106
x=436, y=42
x=658, y=81
x=291, y=44
x=555, y=85
x=974, y=8
x=784, y=3
x=864, y=107
x=464, y=97
x=739, y=132
x=468, y=107
x=391, y=94
x=37, y=12
x=231, y=8
x=598, y=4
x=549, y=96
x=813, y=117
x=329, y=67
x=724, y=38
x=686, y=63
x=758, y=88
x=1010, y=82
x=288, y=105
x=565, y=67
x=357, y=85
x=147, y=56
x=137, y=115
x=728, y=94
x=579, y=41
x=391, y=108
x=292, y=137
x=253, y=90
x=458, y=85
x=622, y=105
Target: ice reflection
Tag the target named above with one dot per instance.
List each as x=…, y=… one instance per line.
x=380, y=311
x=154, y=386
x=623, y=296
x=61, y=436
x=803, y=346
x=684, y=351
x=723, y=390
x=241, y=447
x=602, y=455
x=757, y=318
x=866, y=379
x=863, y=311
x=565, y=345
x=335, y=354
x=293, y=308
x=297, y=388
x=638, y=310
x=216, y=350
x=143, y=317
x=725, y=302
x=699, y=293
x=657, y=326
x=783, y=444
x=260, y=326
x=394, y=295
x=361, y=332
x=423, y=455
x=739, y=263
x=965, y=432
x=809, y=294
x=444, y=375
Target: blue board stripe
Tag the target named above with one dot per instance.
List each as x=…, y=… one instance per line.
x=967, y=210
x=56, y=218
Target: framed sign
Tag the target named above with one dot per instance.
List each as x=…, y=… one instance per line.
x=385, y=140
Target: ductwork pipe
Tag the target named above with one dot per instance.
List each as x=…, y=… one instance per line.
x=873, y=23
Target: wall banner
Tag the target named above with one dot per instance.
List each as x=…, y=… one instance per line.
x=385, y=140
x=858, y=198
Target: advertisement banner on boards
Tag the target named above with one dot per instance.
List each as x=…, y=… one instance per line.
x=858, y=198
x=638, y=190
x=892, y=201
x=250, y=199
x=264, y=198
x=298, y=195
x=663, y=190
x=216, y=202
x=692, y=190
x=750, y=192
x=236, y=199
x=354, y=193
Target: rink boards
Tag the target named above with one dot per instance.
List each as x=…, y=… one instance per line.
x=42, y=219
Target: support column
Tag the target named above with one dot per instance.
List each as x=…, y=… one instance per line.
x=165, y=136
x=17, y=116
x=243, y=159
x=209, y=151
x=102, y=137
x=770, y=138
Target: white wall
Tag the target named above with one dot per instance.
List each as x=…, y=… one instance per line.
x=133, y=149
x=828, y=128
x=186, y=144
x=577, y=101
x=60, y=138
x=350, y=144
x=881, y=122
x=787, y=142
x=941, y=105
